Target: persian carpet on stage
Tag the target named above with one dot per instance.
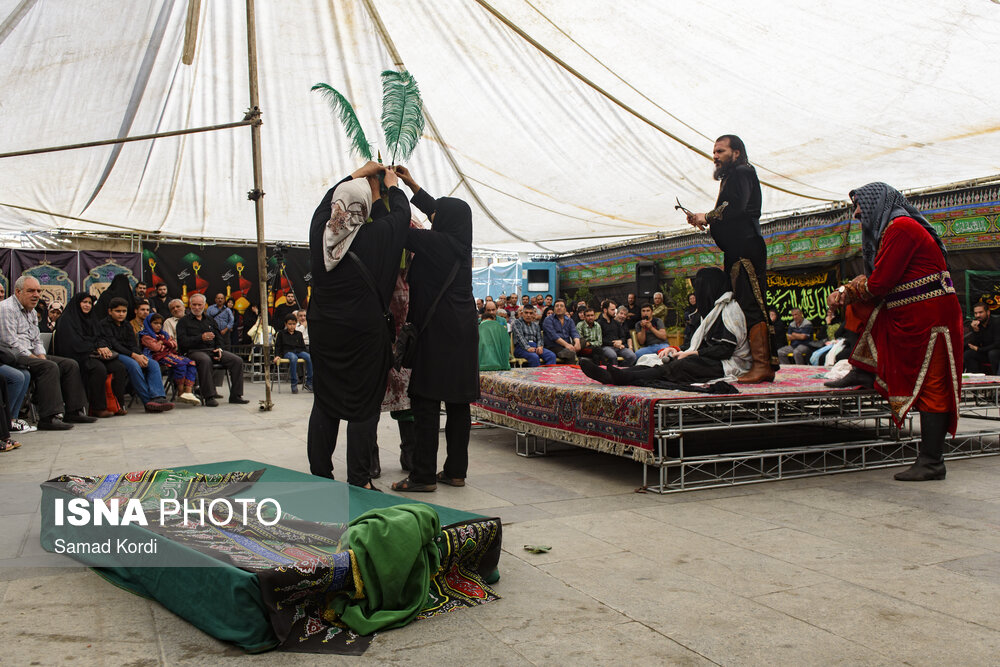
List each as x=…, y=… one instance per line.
x=561, y=403
x=263, y=586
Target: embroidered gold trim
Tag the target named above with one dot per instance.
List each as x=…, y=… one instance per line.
x=864, y=350
x=929, y=278
x=901, y=404
x=734, y=274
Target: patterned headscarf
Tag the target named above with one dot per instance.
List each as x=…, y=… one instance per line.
x=350, y=207
x=880, y=204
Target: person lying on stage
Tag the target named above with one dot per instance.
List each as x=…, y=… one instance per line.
x=913, y=339
x=719, y=347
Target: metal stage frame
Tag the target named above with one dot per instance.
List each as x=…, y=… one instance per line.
x=875, y=442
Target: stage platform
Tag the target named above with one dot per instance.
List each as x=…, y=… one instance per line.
x=793, y=427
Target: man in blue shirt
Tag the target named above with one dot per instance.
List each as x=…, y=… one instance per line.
x=222, y=315
x=560, y=334
x=800, y=333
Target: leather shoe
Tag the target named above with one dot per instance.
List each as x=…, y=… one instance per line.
x=103, y=414
x=855, y=378
x=238, y=400
x=78, y=418
x=211, y=402
x=54, y=424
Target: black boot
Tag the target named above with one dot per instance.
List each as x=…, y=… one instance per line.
x=930, y=459
x=856, y=378
x=635, y=375
x=407, y=440
x=595, y=372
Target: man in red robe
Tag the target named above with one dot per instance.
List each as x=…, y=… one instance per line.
x=913, y=339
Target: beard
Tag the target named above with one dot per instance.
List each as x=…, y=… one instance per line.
x=722, y=171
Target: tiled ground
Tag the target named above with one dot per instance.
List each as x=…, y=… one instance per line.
x=851, y=568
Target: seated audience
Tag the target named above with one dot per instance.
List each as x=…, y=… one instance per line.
x=614, y=336
x=141, y=311
x=16, y=380
x=559, y=334
x=528, y=339
x=58, y=386
x=778, y=340
x=48, y=323
x=692, y=319
x=234, y=333
x=480, y=304
x=176, y=307
x=302, y=325
x=982, y=343
x=140, y=291
x=632, y=311
x=650, y=332
x=7, y=443
x=591, y=335
x=719, y=347
x=80, y=338
x=223, y=316
x=159, y=302
x=834, y=331
x=289, y=344
x=199, y=338
x=161, y=347
x=799, y=333
x=578, y=314
x=659, y=308
x=494, y=341
x=144, y=373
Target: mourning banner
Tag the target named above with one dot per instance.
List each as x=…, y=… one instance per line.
x=57, y=271
x=982, y=286
x=807, y=291
x=98, y=268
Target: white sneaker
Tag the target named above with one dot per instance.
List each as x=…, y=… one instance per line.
x=21, y=426
x=188, y=398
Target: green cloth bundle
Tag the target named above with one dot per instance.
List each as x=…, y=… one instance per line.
x=394, y=550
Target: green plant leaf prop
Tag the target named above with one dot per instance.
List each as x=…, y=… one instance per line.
x=345, y=112
x=402, y=114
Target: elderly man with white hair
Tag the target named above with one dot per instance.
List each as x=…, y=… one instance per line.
x=176, y=307
x=58, y=386
x=199, y=339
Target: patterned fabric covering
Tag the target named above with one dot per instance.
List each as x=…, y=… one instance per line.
x=561, y=403
x=300, y=565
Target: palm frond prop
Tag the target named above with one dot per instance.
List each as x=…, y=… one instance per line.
x=402, y=114
x=345, y=112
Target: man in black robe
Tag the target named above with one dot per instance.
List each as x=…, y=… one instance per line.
x=735, y=227
x=350, y=341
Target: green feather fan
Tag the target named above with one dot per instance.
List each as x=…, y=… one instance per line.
x=402, y=114
x=352, y=126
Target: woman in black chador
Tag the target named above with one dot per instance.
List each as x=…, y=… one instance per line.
x=446, y=367
x=350, y=341
x=719, y=347
x=79, y=337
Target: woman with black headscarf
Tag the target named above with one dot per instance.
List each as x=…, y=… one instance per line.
x=913, y=339
x=719, y=347
x=446, y=366
x=120, y=287
x=78, y=337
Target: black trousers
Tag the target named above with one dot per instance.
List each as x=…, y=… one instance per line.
x=321, y=442
x=58, y=385
x=976, y=359
x=743, y=289
x=427, y=422
x=94, y=372
x=232, y=363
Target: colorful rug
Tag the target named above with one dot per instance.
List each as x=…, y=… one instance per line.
x=561, y=403
x=298, y=565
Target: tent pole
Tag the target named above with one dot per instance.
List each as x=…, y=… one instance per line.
x=257, y=196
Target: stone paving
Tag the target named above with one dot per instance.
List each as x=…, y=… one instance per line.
x=852, y=568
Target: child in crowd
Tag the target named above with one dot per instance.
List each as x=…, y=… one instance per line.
x=158, y=345
x=289, y=344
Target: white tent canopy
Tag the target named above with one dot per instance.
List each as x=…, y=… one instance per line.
x=564, y=123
